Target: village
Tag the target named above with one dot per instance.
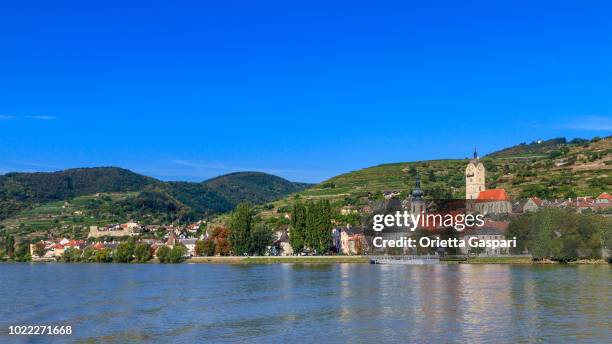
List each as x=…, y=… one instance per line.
x=204, y=239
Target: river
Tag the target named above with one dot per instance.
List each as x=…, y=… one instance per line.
x=300, y=303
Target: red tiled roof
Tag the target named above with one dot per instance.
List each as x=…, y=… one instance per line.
x=493, y=195
x=537, y=201
x=604, y=195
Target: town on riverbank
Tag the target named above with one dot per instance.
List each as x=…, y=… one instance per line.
x=541, y=230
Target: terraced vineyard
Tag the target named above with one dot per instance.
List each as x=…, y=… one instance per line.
x=63, y=218
x=555, y=170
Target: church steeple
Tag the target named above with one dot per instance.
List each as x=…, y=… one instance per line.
x=474, y=177
x=417, y=192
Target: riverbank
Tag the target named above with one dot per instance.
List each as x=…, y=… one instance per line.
x=525, y=260
x=281, y=259
x=366, y=260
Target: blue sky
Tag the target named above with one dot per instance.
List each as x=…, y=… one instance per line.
x=190, y=90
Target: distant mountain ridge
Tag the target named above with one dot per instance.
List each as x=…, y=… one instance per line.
x=19, y=191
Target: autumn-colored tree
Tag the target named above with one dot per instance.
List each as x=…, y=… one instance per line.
x=220, y=232
x=39, y=249
x=222, y=247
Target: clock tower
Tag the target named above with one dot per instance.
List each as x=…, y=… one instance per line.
x=474, y=177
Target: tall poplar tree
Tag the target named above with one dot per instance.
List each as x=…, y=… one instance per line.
x=240, y=228
x=324, y=226
x=298, y=227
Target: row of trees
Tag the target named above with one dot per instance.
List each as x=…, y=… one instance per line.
x=561, y=234
x=126, y=252
x=311, y=226
x=248, y=235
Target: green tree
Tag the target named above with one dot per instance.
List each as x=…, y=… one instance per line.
x=22, y=253
x=72, y=255
x=104, y=255
x=124, y=253
x=205, y=247
x=261, y=238
x=163, y=254
x=240, y=228
x=318, y=226
x=177, y=254
x=560, y=234
x=9, y=243
x=519, y=229
x=540, y=234
x=297, y=233
x=89, y=254
x=142, y=252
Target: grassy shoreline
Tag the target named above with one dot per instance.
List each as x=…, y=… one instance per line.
x=283, y=259
x=365, y=260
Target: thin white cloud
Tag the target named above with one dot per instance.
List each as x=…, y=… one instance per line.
x=42, y=117
x=34, y=117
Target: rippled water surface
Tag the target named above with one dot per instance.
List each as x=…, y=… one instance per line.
x=309, y=303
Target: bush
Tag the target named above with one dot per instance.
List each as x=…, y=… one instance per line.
x=560, y=234
x=177, y=254
x=104, y=255
x=89, y=255
x=142, y=252
x=124, y=252
x=72, y=255
x=163, y=254
x=205, y=247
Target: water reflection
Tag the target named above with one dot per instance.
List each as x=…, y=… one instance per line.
x=326, y=303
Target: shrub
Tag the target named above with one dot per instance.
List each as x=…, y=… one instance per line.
x=142, y=252
x=163, y=254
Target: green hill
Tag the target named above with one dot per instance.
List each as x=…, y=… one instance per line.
x=72, y=200
x=254, y=187
x=555, y=169
x=19, y=191
x=537, y=148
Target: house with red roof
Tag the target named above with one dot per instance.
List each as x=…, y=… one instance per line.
x=99, y=246
x=604, y=198
x=493, y=201
x=530, y=204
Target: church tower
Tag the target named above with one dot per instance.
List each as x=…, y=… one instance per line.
x=474, y=177
x=416, y=200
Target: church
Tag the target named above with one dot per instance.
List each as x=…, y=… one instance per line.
x=474, y=177
x=492, y=201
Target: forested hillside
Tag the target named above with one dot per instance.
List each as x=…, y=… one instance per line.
x=93, y=196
